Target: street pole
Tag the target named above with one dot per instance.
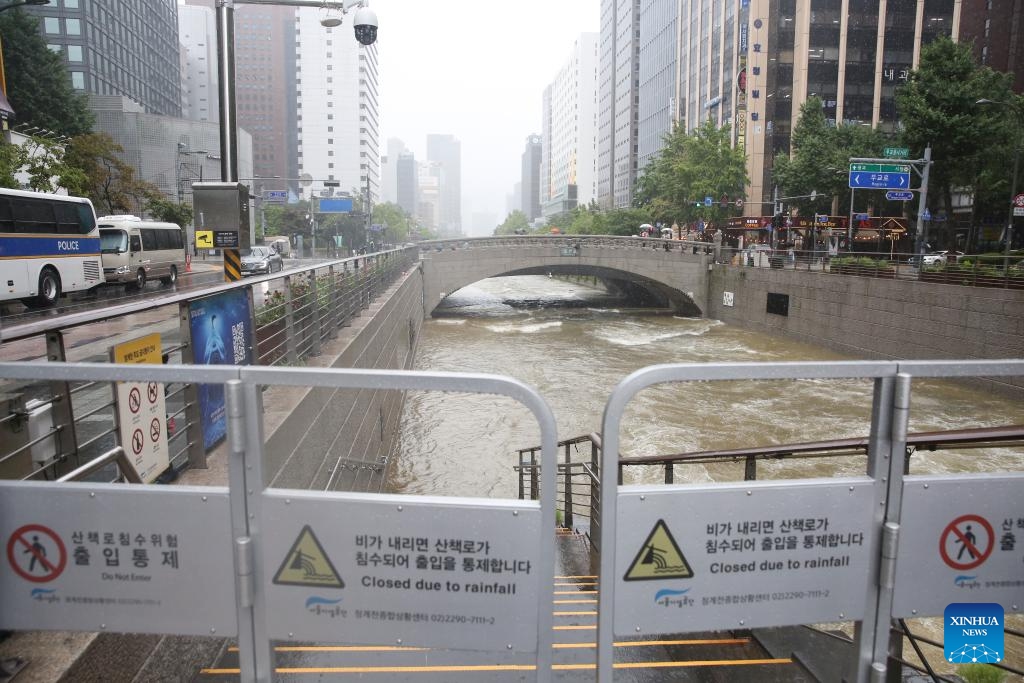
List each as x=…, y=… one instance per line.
x=1013, y=195
x=849, y=225
x=922, y=204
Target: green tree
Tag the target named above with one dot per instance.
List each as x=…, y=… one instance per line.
x=108, y=181
x=38, y=84
x=938, y=106
x=690, y=167
x=395, y=219
x=163, y=209
x=820, y=161
x=515, y=221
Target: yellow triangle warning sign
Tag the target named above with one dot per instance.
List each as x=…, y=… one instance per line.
x=659, y=558
x=307, y=564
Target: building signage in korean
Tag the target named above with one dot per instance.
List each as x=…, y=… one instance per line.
x=741, y=555
x=360, y=568
x=141, y=412
x=110, y=557
x=961, y=540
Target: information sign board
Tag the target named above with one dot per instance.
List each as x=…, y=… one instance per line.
x=141, y=410
x=275, y=196
x=334, y=205
x=741, y=555
x=110, y=557
x=441, y=572
x=961, y=540
x=899, y=195
x=881, y=179
x=225, y=240
x=896, y=152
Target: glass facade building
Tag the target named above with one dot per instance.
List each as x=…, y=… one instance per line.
x=118, y=47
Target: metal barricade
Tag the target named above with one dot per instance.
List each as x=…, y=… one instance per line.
x=275, y=564
x=665, y=569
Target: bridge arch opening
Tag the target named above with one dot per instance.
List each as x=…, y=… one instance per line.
x=610, y=288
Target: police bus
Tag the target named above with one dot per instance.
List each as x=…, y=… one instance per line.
x=49, y=245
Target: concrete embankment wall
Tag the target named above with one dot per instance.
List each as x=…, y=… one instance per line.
x=875, y=318
x=355, y=429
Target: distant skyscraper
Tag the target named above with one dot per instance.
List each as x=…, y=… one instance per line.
x=569, y=154
x=617, y=102
x=197, y=31
x=531, y=177
x=118, y=47
x=389, y=170
x=446, y=150
x=337, y=108
x=429, y=200
x=407, y=177
x=265, y=88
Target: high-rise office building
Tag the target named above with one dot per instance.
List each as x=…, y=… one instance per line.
x=265, y=85
x=337, y=108
x=996, y=30
x=753, y=64
x=618, y=117
x=389, y=170
x=568, y=170
x=197, y=33
x=407, y=178
x=118, y=47
x=531, y=177
x=446, y=150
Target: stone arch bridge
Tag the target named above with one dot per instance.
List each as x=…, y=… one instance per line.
x=665, y=273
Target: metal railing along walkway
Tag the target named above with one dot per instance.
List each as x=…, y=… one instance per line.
x=50, y=428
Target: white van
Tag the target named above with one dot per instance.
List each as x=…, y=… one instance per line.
x=135, y=251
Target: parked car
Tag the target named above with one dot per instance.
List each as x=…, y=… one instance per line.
x=936, y=258
x=261, y=260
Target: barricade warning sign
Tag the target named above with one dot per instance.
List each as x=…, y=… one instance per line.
x=307, y=564
x=659, y=558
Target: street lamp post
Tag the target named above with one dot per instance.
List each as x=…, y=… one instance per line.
x=1017, y=108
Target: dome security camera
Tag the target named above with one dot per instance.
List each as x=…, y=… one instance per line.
x=365, y=23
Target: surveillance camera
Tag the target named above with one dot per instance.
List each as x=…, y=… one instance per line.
x=365, y=23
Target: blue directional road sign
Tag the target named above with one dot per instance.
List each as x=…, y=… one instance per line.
x=899, y=195
x=708, y=201
x=880, y=176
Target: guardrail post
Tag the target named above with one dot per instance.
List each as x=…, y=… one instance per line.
x=534, y=485
x=193, y=415
x=289, y=317
x=315, y=313
x=567, y=518
x=332, y=303
x=595, y=496
x=63, y=411
x=750, y=469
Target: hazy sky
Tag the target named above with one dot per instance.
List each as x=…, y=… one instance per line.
x=475, y=69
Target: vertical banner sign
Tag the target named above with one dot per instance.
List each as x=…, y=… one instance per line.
x=141, y=413
x=221, y=331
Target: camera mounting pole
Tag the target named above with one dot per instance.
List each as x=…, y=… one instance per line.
x=365, y=33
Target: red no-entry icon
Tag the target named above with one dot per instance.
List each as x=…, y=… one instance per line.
x=36, y=553
x=961, y=544
x=134, y=400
